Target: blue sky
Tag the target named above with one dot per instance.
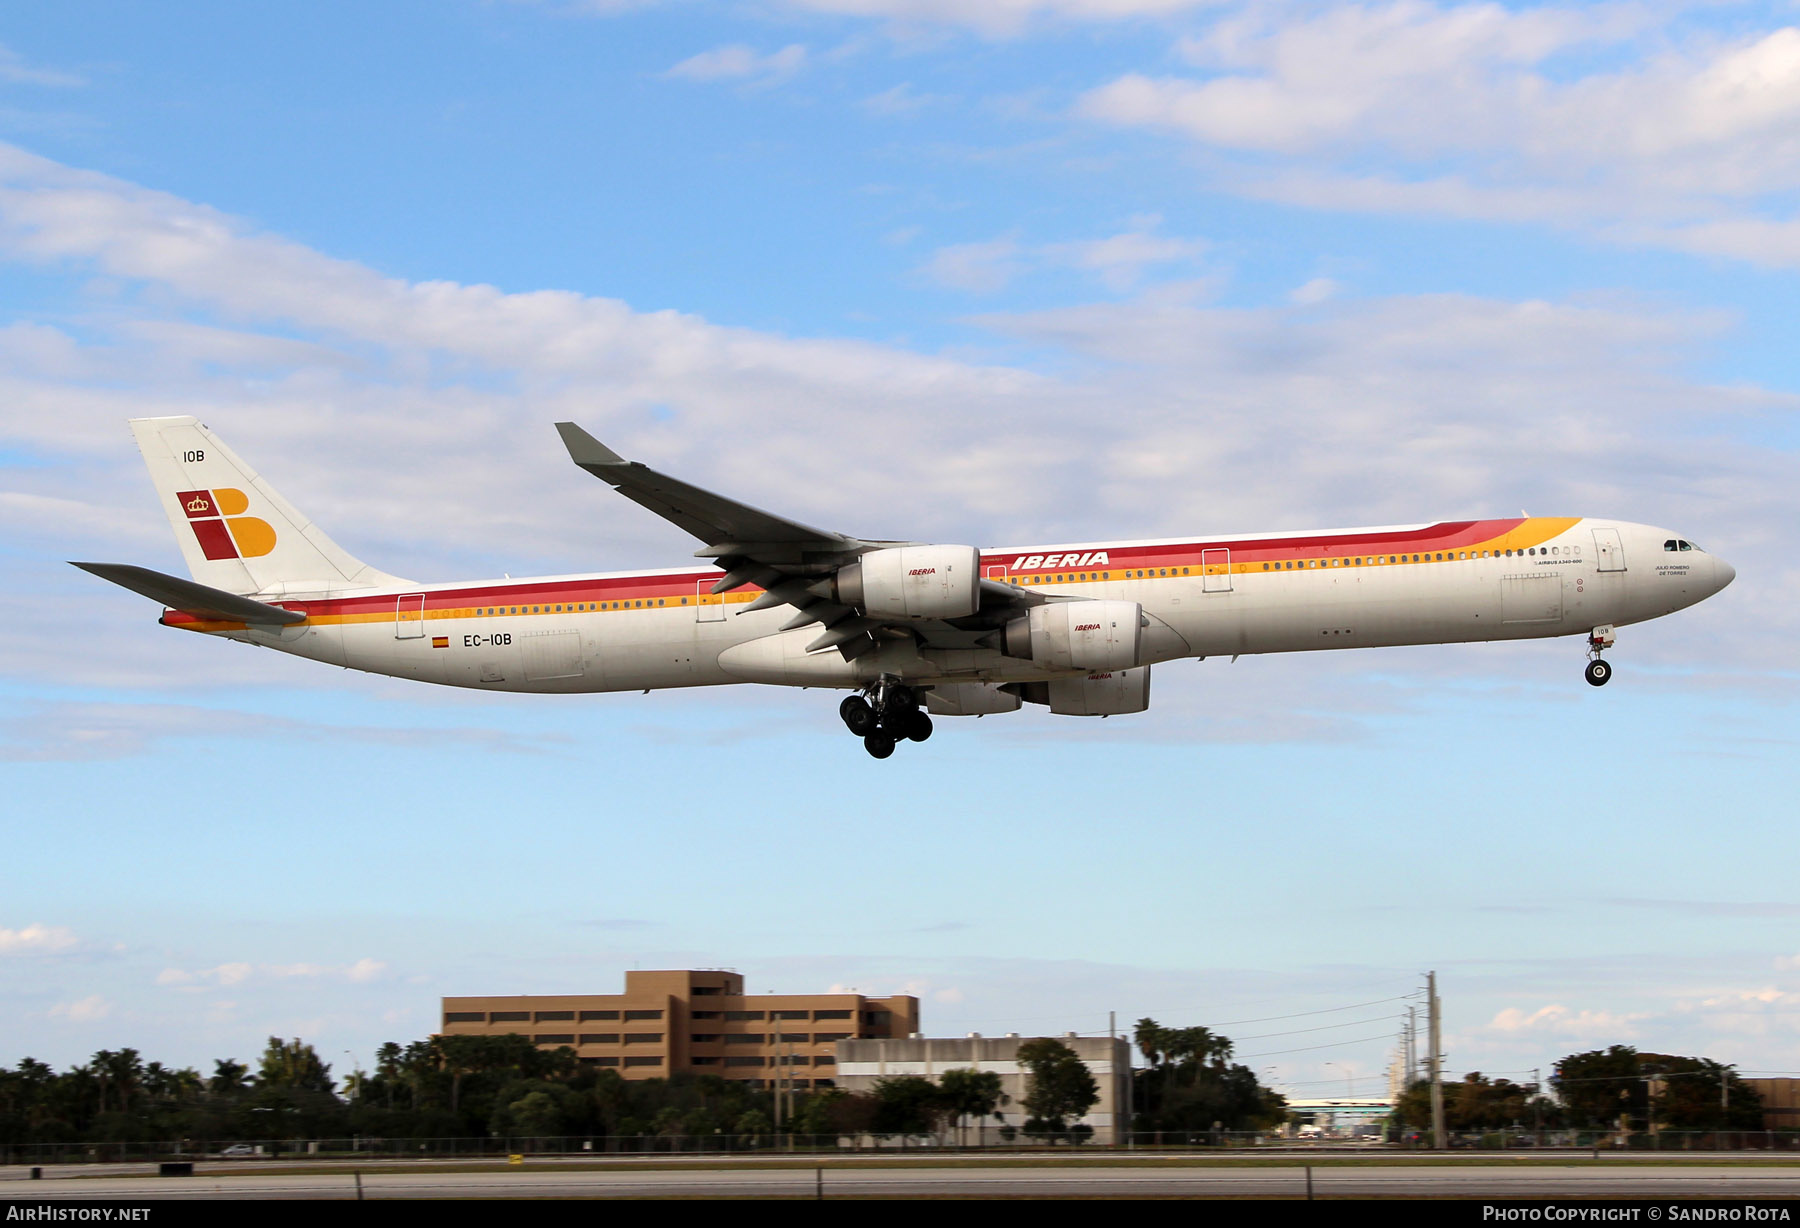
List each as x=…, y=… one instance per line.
x=1001, y=271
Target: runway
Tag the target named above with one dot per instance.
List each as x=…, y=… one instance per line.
x=1575, y=1179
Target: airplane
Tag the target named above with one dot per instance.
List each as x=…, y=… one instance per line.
x=912, y=629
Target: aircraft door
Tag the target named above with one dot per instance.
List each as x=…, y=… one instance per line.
x=409, y=616
x=709, y=607
x=1609, y=549
x=1215, y=570
x=995, y=572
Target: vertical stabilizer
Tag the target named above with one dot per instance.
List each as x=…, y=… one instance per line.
x=235, y=531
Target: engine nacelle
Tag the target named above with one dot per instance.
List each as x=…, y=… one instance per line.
x=969, y=699
x=1097, y=636
x=1111, y=693
x=913, y=582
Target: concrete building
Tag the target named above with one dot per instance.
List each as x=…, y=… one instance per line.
x=698, y=1022
x=1781, y=1102
x=861, y=1063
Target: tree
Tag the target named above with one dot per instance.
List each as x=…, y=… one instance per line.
x=1191, y=1084
x=1061, y=1086
x=1675, y=1092
x=293, y=1064
x=969, y=1093
x=907, y=1104
x=1474, y=1103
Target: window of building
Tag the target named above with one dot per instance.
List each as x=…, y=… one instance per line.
x=701, y=991
x=739, y=1015
x=795, y=1038
x=643, y=1038
x=703, y=1061
x=464, y=1017
x=644, y=1061
x=743, y=1061
x=554, y=1038
x=599, y=1038
x=704, y=1038
x=630, y=1015
x=601, y=1061
x=788, y=1014
x=831, y=1014
x=704, y=1014
x=555, y=1017
x=509, y=1016
x=595, y=1016
x=745, y=1038
x=825, y=1060
x=825, y=1038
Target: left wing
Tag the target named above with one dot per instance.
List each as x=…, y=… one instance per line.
x=793, y=563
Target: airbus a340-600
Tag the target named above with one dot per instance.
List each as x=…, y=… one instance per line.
x=909, y=628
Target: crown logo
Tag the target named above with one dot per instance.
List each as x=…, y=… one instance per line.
x=198, y=504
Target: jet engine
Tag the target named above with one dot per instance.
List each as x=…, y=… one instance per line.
x=1110, y=693
x=913, y=582
x=1098, y=636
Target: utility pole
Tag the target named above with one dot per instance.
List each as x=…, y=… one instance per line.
x=1437, y=1062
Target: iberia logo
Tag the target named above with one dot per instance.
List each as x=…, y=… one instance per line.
x=222, y=531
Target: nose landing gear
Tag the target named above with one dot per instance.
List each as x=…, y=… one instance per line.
x=1599, y=673
x=885, y=714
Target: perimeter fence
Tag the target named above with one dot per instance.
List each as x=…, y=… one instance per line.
x=774, y=1146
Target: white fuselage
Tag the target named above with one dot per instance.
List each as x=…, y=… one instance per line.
x=1365, y=588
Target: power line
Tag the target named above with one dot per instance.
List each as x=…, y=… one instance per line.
x=1248, y=1057
x=1324, y=1028
x=1231, y=1023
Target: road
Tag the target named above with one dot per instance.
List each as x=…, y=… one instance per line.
x=1574, y=1179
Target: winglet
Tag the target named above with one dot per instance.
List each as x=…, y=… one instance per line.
x=584, y=449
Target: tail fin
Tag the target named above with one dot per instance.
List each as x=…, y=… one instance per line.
x=236, y=533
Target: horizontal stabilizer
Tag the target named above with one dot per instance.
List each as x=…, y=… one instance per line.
x=190, y=597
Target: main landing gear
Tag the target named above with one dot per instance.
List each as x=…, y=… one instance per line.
x=1599, y=640
x=885, y=714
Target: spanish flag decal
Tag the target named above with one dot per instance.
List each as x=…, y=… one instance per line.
x=440, y=641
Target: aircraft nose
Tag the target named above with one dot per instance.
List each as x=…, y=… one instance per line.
x=1723, y=573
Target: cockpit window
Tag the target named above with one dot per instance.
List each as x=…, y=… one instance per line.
x=1671, y=545
x=1689, y=546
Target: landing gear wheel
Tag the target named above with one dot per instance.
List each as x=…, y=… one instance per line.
x=1598, y=672
x=878, y=744
x=918, y=727
x=858, y=716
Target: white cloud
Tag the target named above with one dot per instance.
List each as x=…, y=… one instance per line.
x=1475, y=110
x=1000, y=18
x=981, y=268
x=361, y=972
x=1560, y=1021
x=36, y=939
x=902, y=99
x=1315, y=291
x=366, y=970
x=740, y=63
x=14, y=69
x=86, y=1010
x=1119, y=261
